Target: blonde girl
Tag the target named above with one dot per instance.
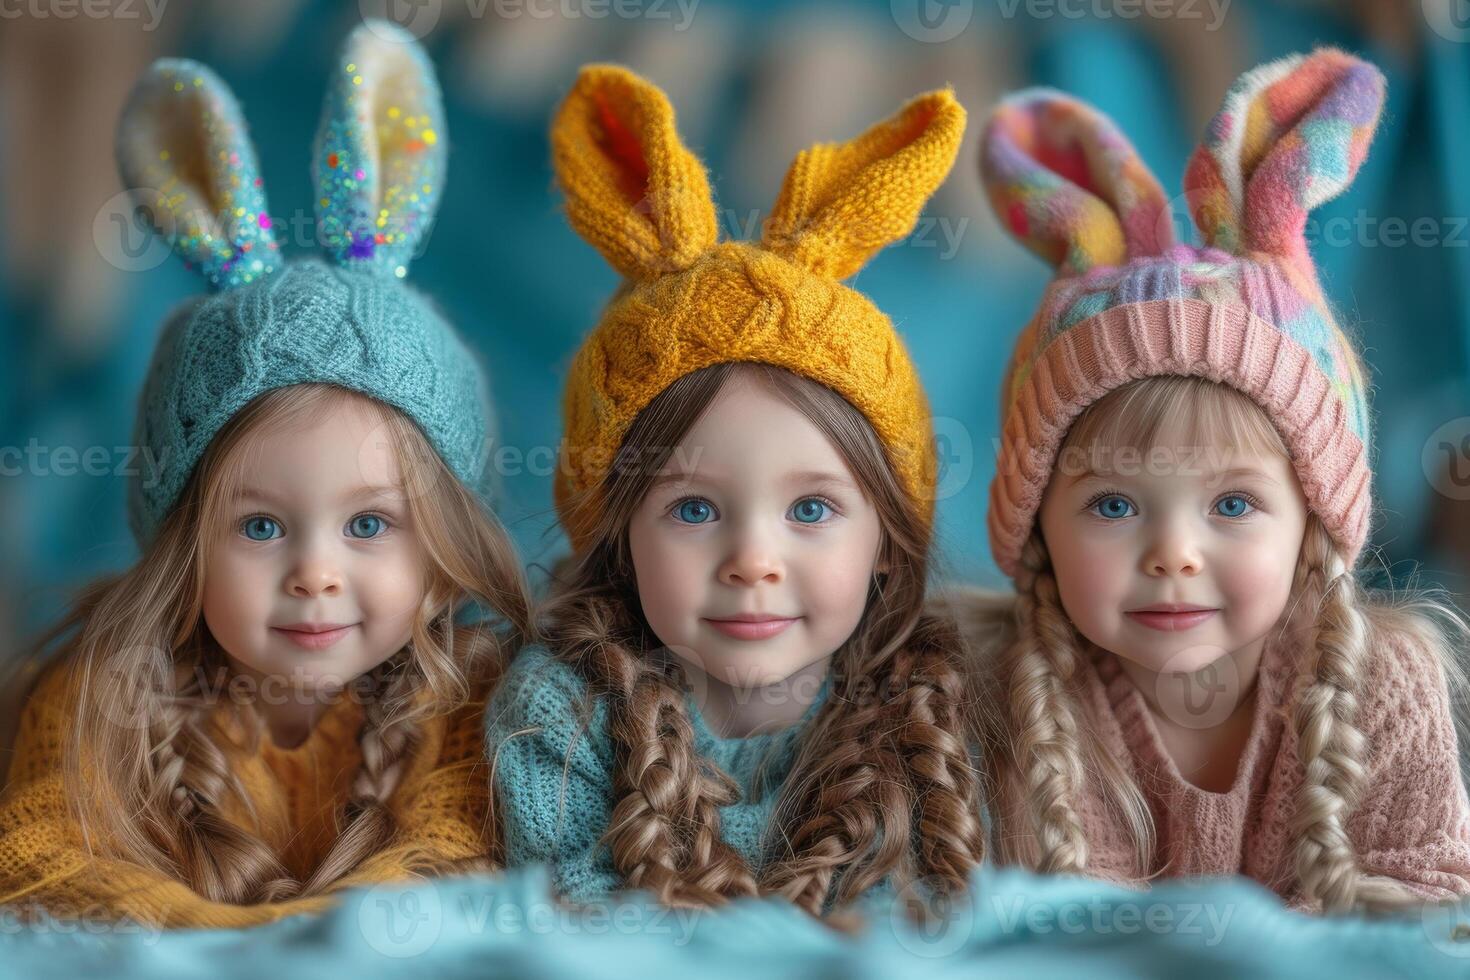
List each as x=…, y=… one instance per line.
x=1190, y=678
x=283, y=697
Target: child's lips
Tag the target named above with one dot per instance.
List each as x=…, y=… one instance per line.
x=1171, y=619
x=315, y=639
x=752, y=629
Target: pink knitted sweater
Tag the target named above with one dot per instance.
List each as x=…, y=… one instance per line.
x=1412, y=825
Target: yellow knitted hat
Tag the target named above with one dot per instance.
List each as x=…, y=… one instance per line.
x=688, y=300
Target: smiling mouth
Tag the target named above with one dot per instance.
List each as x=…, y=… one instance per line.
x=314, y=637
x=750, y=628
x=1171, y=618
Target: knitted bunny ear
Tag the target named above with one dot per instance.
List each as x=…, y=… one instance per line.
x=1290, y=136
x=379, y=163
x=185, y=156
x=1067, y=183
x=632, y=188
x=842, y=202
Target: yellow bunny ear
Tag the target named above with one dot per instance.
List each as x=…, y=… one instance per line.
x=633, y=190
x=842, y=202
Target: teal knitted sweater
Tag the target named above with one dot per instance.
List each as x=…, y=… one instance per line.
x=553, y=766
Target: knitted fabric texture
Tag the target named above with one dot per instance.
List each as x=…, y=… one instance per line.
x=689, y=301
x=1413, y=824
x=553, y=765
x=441, y=803
x=378, y=174
x=1127, y=302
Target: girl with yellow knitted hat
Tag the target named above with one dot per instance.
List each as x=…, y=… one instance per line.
x=741, y=692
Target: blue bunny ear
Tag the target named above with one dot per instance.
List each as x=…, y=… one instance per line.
x=185, y=157
x=380, y=151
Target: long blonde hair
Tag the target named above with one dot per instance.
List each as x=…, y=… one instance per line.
x=1029, y=659
x=146, y=768
x=883, y=763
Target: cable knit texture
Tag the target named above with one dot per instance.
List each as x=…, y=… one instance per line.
x=552, y=765
x=378, y=174
x=441, y=804
x=1413, y=824
x=689, y=301
x=1126, y=302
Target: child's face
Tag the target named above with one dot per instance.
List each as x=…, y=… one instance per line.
x=756, y=516
x=1211, y=530
x=322, y=538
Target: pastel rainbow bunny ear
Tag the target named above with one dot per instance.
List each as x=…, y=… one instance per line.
x=1067, y=183
x=186, y=158
x=1290, y=136
x=379, y=161
x=633, y=190
x=842, y=202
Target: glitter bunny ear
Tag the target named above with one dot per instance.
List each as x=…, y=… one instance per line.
x=378, y=167
x=185, y=157
x=1067, y=183
x=1289, y=137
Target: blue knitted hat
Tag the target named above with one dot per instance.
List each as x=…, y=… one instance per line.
x=347, y=319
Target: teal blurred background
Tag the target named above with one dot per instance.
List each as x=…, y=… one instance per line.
x=753, y=82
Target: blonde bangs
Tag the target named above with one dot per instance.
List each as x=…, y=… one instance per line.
x=1177, y=411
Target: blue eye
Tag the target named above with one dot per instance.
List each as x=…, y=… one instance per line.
x=694, y=511
x=1113, y=507
x=366, y=526
x=1233, y=506
x=809, y=510
x=260, y=528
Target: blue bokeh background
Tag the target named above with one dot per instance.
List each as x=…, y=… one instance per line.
x=753, y=82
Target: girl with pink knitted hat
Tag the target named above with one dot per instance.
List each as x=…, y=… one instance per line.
x=1190, y=679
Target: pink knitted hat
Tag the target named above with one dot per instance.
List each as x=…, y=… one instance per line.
x=1245, y=309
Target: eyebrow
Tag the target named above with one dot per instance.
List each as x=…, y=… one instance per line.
x=1234, y=473
x=802, y=477
x=358, y=493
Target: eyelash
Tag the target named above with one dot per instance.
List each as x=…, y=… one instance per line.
x=388, y=525
x=1248, y=497
x=673, y=508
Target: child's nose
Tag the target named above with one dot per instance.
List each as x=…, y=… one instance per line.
x=1172, y=551
x=313, y=575
x=752, y=559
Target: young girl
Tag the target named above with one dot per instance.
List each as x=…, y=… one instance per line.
x=741, y=693
x=1190, y=680
x=283, y=697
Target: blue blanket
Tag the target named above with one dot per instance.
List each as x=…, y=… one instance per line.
x=1020, y=925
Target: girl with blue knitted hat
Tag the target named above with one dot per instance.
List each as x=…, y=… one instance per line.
x=282, y=698
x=740, y=692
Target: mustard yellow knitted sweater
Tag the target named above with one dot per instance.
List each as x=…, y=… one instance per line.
x=441, y=802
